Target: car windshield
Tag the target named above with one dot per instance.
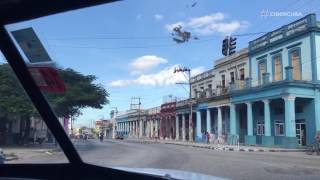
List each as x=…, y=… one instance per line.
x=215, y=88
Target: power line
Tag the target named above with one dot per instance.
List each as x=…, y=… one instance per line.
x=109, y=38
x=142, y=37
x=150, y=46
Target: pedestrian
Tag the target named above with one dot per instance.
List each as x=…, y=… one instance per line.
x=101, y=136
x=208, y=137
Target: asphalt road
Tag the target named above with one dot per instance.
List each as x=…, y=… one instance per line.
x=234, y=165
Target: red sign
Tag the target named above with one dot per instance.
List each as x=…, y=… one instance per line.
x=48, y=79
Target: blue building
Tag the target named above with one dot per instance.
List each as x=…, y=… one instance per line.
x=280, y=106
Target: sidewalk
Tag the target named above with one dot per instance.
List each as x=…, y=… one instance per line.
x=28, y=151
x=220, y=147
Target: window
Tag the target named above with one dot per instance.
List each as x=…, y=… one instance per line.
x=261, y=111
x=299, y=108
x=260, y=128
x=223, y=81
x=209, y=86
x=262, y=68
x=296, y=64
x=279, y=128
x=277, y=68
x=232, y=77
x=241, y=74
x=278, y=110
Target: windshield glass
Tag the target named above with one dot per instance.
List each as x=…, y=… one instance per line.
x=24, y=136
x=217, y=88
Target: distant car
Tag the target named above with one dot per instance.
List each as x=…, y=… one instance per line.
x=120, y=137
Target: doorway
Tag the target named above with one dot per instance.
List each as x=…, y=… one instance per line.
x=301, y=131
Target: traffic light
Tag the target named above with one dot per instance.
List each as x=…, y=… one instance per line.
x=225, y=46
x=232, y=45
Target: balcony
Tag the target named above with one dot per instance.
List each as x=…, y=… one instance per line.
x=266, y=82
x=238, y=85
x=212, y=93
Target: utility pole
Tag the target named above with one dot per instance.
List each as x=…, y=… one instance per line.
x=133, y=99
x=188, y=70
x=115, y=126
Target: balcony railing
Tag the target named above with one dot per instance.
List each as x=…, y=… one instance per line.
x=210, y=93
x=250, y=83
x=183, y=103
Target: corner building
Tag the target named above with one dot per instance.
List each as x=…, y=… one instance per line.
x=280, y=104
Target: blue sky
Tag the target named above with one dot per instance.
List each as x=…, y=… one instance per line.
x=128, y=45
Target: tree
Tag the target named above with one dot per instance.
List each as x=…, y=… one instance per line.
x=81, y=92
x=13, y=102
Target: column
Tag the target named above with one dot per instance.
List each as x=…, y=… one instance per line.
x=147, y=129
x=151, y=128
x=267, y=121
x=198, y=128
x=122, y=128
x=127, y=127
x=208, y=121
x=177, y=127
x=118, y=127
x=183, y=127
x=249, y=119
x=290, y=120
x=156, y=128
x=131, y=131
x=233, y=124
x=133, y=128
x=137, y=128
x=140, y=128
x=190, y=127
x=316, y=107
x=219, y=122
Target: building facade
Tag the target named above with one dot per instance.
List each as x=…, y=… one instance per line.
x=281, y=102
x=153, y=123
x=168, y=120
x=267, y=94
x=212, y=94
x=185, y=126
x=132, y=123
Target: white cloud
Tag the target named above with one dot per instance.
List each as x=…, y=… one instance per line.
x=210, y=24
x=158, y=17
x=146, y=63
x=164, y=77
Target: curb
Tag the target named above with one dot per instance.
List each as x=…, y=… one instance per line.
x=223, y=148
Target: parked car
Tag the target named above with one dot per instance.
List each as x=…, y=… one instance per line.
x=120, y=137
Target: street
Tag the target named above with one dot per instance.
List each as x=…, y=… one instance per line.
x=234, y=165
